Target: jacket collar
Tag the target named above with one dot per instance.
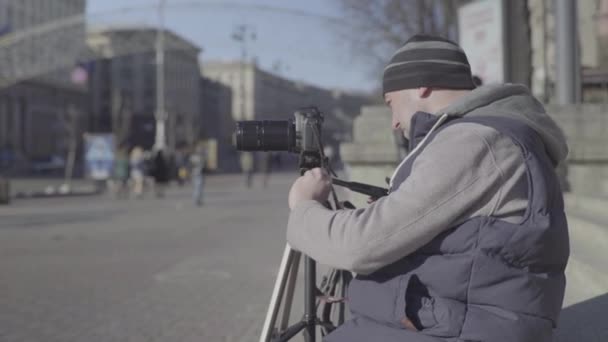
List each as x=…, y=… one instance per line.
x=420, y=125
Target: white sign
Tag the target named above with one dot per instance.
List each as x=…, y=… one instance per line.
x=480, y=31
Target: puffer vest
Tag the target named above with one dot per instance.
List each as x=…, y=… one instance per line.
x=482, y=280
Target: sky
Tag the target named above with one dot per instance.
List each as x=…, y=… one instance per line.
x=299, y=35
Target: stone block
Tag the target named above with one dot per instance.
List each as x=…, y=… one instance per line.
x=374, y=153
x=370, y=153
x=588, y=180
x=373, y=125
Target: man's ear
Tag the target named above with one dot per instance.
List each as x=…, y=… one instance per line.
x=424, y=92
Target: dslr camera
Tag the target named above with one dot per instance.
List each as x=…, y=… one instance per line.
x=301, y=135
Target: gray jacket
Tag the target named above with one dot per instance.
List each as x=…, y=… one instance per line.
x=469, y=170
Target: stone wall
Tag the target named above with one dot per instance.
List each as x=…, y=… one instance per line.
x=375, y=153
x=586, y=128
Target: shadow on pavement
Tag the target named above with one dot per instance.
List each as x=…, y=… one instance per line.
x=585, y=322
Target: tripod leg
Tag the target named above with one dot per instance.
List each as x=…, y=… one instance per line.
x=346, y=278
x=277, y=294
x=291, y=285
x=310, y=299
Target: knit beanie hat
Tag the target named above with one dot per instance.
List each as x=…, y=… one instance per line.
x=428, y=61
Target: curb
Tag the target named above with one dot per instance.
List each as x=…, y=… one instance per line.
x=43, y=194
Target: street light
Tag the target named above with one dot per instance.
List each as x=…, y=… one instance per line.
x=160, y=139
x=242, y=34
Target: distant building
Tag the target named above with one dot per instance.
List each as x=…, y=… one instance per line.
x=130, y=81
x=593, y=41
x=30, y=110
x=261, y=95
x=217, y=122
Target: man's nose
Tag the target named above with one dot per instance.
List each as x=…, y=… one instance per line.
x=395, y=124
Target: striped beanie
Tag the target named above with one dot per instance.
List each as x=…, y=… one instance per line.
x=428, y=61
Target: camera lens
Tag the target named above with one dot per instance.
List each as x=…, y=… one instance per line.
x=265, y=136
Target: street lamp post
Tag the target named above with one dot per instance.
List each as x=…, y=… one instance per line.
x=242, y=34
x=567, y=52
x=160, y=139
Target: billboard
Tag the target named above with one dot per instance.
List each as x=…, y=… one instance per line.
x=99, y=155
x=481, y=34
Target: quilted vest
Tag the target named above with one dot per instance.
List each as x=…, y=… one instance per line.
x=482, y=280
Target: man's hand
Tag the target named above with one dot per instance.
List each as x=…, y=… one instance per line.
x=313, y=185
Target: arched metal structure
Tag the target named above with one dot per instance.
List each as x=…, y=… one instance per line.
x=63, y=43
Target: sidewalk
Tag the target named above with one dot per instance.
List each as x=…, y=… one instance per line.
x=22, y=188
x=49, y=187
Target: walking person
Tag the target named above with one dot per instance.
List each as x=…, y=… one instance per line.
x=136, y=162
x=120, y=174
x=266, y=167
x=160, y=173
x=181, y=164
x=198, y=160
x=247, y=167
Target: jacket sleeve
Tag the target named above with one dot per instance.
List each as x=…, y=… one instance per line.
x=454, y=176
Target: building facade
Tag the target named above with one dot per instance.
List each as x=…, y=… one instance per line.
x=593, y=43
x=260, y=95
x=123, y=87
x=217, y=122
x=32, y=111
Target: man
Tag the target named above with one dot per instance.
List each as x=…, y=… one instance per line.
x=198, y=160
x=471, y=243
x=247, y=167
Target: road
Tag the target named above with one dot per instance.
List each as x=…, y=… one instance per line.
x=100, y=269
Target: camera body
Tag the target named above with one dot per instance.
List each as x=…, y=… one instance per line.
x=308, y=123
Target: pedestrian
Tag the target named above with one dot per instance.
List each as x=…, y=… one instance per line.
x=471, y=243
x=160, y=173
x=266, y=167
x=247, y=167
x=136, y=162
x=120, y=174
x=198, y=161
x=277, y=161
x=181, y=163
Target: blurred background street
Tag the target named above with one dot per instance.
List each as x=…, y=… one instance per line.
x=126, y=212
x=93, y=269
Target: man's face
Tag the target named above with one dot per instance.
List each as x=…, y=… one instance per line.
x=403, y=104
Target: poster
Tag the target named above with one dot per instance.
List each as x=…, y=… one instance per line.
x=481, y=36
x=98, y=155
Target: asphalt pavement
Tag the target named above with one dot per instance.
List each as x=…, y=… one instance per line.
x=103, y=269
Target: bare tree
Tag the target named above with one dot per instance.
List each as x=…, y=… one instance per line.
x=122, y=113
x=70, y=121
x=379, y=27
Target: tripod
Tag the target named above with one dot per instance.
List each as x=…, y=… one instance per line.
x=336, y=282
x=334, y=286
